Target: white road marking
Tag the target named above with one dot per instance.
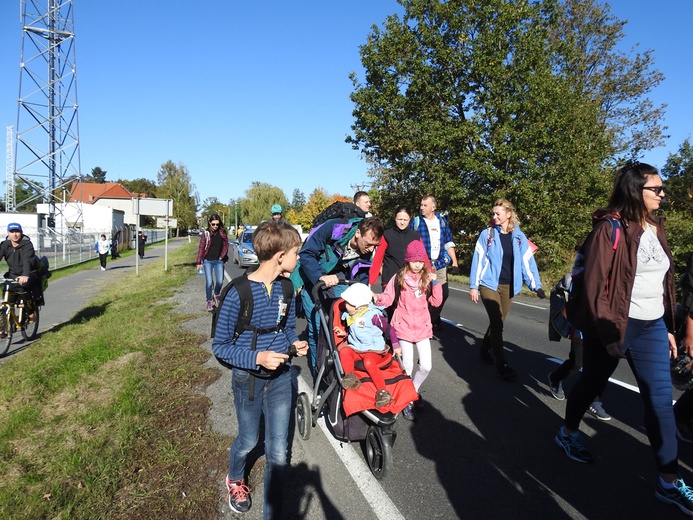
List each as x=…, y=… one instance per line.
x=369, y=486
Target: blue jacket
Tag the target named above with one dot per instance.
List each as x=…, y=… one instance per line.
x=488, y=258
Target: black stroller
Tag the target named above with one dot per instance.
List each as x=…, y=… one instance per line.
x=374, y=426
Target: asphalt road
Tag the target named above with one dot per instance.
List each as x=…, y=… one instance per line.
x=484, y=447
x=481, y=447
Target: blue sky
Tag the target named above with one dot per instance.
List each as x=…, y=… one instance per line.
x=259, y=91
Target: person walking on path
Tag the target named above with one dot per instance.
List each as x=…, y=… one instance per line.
x=502, y=260
x=413, y=289
x=141, y=240
x=388, y=257
x=262, y=379
x=330, y=258
x=632, y=320
x=102, y=248
x=212, y=254
x=572, y=365
x=440, y=248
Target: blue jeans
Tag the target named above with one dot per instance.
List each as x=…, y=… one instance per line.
x=273, y=398
x=216, y=266
x=313, y=321
x=647, y=352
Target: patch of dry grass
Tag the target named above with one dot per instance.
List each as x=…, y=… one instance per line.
x=102, y=420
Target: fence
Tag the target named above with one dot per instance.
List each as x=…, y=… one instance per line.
x=76, y=245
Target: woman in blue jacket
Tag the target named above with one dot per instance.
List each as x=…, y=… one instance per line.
x=502, y=261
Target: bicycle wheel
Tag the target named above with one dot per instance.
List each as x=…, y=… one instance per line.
x=6, y=327
x=29, y=330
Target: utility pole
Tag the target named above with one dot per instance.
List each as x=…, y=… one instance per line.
x=9, y=171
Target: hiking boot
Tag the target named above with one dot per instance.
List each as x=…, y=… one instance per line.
x=556, y=390
x=680, y=495
x=573, y=446
x=350, y=381
x=209, y=305
x=383, y=398
x=408, y=412
x=238, y=495
x=31, y=318
x=506, y=373
x=485, y=356
x=597, y=410
x=684, y=429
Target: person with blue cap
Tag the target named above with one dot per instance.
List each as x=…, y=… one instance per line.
x=277, y=213
x=18, y=251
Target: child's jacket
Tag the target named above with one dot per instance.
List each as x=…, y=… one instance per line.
x=411, y=319
x=366, y=333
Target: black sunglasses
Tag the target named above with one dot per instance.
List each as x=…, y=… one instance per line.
x=214, y=224
x=657, y=190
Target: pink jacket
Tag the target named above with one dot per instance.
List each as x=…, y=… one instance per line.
x=411, y=319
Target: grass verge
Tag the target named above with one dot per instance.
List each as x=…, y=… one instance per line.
x=103, y=417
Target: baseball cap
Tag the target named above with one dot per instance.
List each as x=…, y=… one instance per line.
x=276, y=209
x=14, y=226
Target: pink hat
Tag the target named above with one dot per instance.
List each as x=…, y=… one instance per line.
x=415, y=252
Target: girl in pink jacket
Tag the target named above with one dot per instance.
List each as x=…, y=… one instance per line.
x=413, y=288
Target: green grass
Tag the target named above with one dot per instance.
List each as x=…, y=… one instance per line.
x=102, y=420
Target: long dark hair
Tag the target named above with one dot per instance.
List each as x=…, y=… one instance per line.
x=212, y=217
x=627, y=199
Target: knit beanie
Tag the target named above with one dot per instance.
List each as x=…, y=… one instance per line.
x=415, y=252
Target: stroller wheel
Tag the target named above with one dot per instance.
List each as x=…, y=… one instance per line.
x=378, y=452
x=304, y=416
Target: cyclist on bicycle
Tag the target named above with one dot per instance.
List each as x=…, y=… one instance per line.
x=19, y=253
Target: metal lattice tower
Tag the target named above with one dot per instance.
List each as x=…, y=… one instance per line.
x=9, y=169
x=47, y=131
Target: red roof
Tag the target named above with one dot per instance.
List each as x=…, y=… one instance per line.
x=90, y=192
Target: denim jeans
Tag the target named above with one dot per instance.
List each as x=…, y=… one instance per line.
x=216, y=266
x=273, y=399
x=313, y=321
x=647, y=352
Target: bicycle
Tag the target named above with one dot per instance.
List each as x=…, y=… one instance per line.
x=15, y=308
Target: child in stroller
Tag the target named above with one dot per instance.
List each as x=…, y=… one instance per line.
x=366, y=325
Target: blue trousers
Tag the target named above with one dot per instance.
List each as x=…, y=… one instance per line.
x=216, y=267
x=272, y=399
x=313, y=321
x=647, y=352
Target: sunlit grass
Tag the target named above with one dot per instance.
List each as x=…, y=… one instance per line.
x=98, y=417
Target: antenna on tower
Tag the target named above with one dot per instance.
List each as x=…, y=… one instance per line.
x=47, y=133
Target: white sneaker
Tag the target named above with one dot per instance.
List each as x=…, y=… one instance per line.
x=103, y=268
x=597, y=410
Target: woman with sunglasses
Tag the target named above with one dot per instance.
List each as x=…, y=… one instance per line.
x=211, y=256
x=627, y=312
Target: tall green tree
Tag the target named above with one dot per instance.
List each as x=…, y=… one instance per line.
x=175, y=184
x=98, y=175
x=298, y=200
x=678, y=175
x=259, y=199
x=143, y=187
x=529, y=100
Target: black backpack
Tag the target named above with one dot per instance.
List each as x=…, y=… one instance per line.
x=339, y=209
x=245, y=293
